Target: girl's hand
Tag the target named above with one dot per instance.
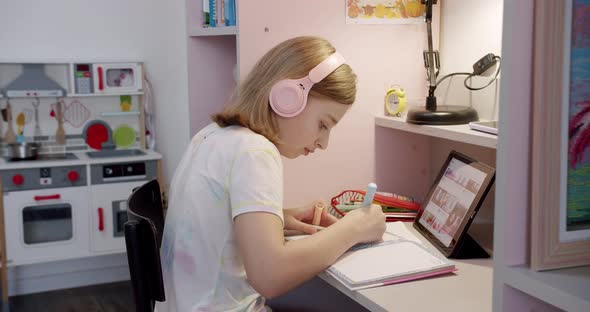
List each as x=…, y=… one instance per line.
x=369, y=223
x=298, y=220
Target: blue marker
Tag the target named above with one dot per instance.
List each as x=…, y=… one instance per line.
x=371, y=189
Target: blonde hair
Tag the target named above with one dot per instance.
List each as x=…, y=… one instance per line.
x=292, y=59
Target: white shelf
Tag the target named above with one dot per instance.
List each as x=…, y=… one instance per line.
x=103, y=94
x=112, y=114
x=459, y=133
x=214, y=31
x=566, y=289
x=66, y=60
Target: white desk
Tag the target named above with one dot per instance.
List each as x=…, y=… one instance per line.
x=468, y=289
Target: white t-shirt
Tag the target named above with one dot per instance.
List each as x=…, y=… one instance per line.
x=225, y=172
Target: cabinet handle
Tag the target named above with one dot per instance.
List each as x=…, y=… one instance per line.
x=100, y=220
x=47, y=197
x=100, y=80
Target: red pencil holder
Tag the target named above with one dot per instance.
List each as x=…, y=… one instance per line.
x=353, y=196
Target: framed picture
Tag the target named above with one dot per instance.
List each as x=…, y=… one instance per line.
x=560, y=151
x=384, y=12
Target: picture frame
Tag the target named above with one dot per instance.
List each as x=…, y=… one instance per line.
x=560, y=226
x=381, y=12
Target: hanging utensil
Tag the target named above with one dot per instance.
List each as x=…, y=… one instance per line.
x=37, y=127
x=9, y=137
x=20, y=127
x=60, y=134
x=76, y=114
x=4, y=114
x=20, y=123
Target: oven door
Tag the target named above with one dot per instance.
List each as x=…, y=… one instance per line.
x=109, y=214
x=46, y=225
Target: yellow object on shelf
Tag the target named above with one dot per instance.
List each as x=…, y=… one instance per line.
x=125, y=107
x=125, y=103
x=395, y=101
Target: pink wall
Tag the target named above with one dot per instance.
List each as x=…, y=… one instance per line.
x=381, y=55
x=210, y=83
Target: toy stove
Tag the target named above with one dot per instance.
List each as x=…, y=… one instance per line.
x=46, y=157
x=46, y=211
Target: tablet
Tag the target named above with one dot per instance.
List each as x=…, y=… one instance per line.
x=452, y=202
x=485, y=126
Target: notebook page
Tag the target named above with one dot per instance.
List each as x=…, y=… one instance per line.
x=385, y=261
x=395, y=231
x=400, y=230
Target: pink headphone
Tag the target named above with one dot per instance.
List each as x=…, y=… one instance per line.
x=288, y=97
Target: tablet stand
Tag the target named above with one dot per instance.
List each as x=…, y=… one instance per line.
x=469, y=249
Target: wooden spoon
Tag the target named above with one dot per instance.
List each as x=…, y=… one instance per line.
x=60, y=134
x=9, y=137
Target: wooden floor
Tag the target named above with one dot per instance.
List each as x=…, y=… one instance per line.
x=114, y=297
x=313, y=296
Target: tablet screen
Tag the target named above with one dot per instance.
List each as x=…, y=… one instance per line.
x=453, y=200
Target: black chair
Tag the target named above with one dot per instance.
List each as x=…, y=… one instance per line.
x=143, y=237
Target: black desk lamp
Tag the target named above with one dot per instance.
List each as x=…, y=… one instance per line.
x=433, y=114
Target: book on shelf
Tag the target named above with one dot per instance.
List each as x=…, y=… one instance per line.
x=399, y=257
x=219, y=13
x=213, y=13
x=205, y=14
x=230, y=12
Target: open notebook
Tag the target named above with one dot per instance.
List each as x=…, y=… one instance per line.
x=400, y=257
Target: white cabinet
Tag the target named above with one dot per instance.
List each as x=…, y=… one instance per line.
x=104, y=78
x=46, y=225
x=78, y=78
x=108, y=211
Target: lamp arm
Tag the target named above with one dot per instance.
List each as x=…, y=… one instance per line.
x=431, y=57
x=431, y=60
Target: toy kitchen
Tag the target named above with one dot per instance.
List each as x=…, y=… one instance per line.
x=73, y=141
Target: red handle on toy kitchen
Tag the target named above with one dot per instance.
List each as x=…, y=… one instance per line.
x=100, y=80
x=47, y=197
x=100, y=220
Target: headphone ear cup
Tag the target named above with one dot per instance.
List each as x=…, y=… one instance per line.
x=287, y=98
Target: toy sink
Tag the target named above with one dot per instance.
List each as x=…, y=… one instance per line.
x=115, y=153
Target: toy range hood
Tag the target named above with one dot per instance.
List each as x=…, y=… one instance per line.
x=33, y=82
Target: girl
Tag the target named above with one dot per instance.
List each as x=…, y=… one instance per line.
x=223, y=246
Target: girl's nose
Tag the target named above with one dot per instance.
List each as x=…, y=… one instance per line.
x=322, y=142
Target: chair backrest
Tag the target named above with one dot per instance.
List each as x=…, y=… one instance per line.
x=143, y=237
